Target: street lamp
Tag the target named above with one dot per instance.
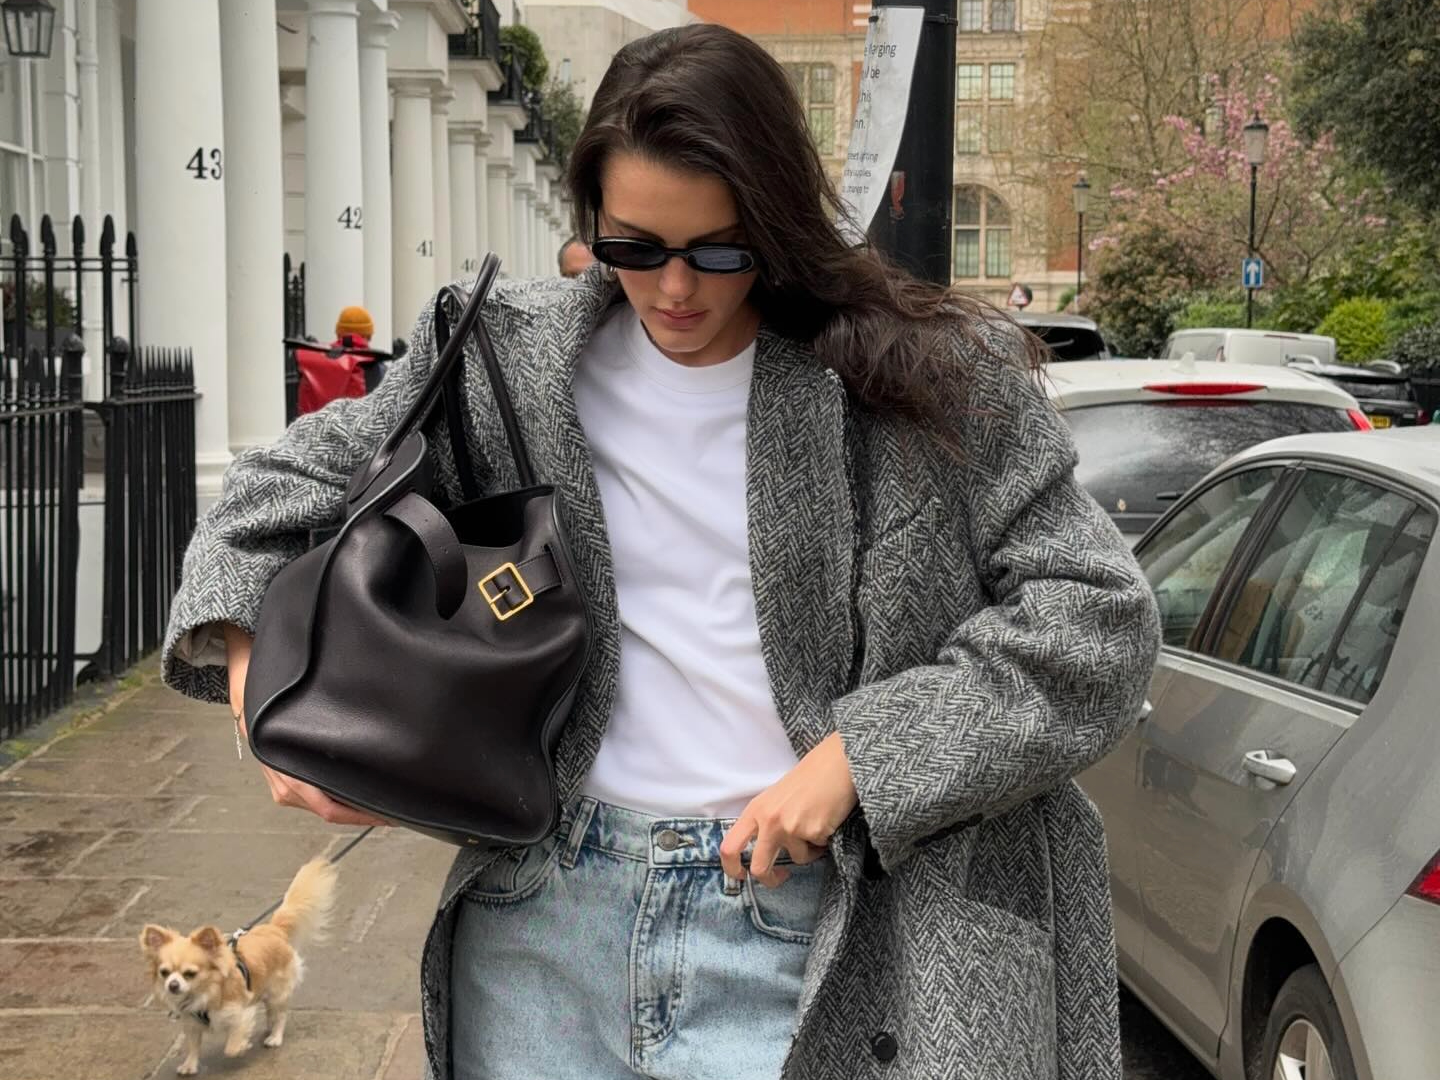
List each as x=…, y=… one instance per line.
x=1081, y=192
x=29, y=27
x=1256, y=132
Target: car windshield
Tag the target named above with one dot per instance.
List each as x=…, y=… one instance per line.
x=1374, y=389
x=1138, y=457
x=1071, y=342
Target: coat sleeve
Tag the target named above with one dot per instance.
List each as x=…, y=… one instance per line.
x=270, y=498
x=1033, y=689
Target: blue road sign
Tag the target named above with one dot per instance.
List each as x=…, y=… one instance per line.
x=1252, y=274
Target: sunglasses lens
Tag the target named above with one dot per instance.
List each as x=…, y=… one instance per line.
x=719, y=259
x=629, y=254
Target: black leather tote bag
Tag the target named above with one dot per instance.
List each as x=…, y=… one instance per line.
x=421, y=663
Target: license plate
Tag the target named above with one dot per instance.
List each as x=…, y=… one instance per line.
x=1380, y=421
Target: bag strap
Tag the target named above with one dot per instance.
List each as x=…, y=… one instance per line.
x=445, y=382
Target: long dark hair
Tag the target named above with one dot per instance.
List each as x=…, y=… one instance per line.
x=704, y=98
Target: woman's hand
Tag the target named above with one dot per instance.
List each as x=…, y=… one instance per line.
x=283, y=789
x=797, y=813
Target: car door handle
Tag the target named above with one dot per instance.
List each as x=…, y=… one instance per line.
x=1145, y=710
x=1271, y=766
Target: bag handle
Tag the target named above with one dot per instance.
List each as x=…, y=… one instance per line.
x=445, y=381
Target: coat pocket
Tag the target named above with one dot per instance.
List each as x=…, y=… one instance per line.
x=994, y=1009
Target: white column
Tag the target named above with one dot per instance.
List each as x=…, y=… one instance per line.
x=254, y=221
x=114, y=138
x=482, y=195
x=180, y=204
x=520, y=232
x=497, y=214
x=464, y=257
x=334, y=196
x=375, y=31
x=59, y=126
x=88, y=62
x=440, y=149
x=413, y=203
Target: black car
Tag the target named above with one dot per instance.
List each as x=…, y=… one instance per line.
x=1384, y=393
x=1070, y=337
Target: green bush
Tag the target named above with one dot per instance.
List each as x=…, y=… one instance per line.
x=1418, y=349
x=1358, y=327
x=528, y=50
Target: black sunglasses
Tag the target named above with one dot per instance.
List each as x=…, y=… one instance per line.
x=628, y=253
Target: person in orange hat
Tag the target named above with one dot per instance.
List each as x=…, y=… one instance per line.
x=336, y=372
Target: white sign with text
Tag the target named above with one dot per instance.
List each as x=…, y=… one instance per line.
x=891, y=46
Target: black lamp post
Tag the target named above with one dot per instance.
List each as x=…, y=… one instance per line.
x=29, y=27
x=1081, y=191
x=1256, y=132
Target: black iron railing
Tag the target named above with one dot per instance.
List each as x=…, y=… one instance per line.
x=147, y=414
x=44, y=290
x=294, y=328
x=149, y=417
x=481, y=39
x=41, y=462
x=512, y=92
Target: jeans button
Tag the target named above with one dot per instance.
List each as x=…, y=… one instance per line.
x=667, y=840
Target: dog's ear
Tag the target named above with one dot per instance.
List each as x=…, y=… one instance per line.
x=208, y=938
x=153, y=937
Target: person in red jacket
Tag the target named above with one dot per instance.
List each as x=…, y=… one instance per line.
x=335, y=372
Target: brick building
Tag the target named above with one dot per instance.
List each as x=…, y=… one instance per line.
x=1009, y=204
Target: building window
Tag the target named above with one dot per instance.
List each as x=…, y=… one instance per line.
x=971, y=14
x=1002, y=82
x=999, y=134
x=982, y=234
x=1002, y=16
x=815, y=86
x=967, y=130
x=968, y=82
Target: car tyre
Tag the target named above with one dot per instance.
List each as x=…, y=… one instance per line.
x=1304, y=1037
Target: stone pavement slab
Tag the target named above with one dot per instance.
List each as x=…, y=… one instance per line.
x=138, y=811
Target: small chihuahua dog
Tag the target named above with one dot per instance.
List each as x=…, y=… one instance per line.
x=208, y=982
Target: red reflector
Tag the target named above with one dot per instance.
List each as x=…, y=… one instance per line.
x=1360, y=420
x=1204, y=389
x=1427, y=885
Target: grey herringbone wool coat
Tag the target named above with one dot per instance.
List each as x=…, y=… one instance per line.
x=976, y=630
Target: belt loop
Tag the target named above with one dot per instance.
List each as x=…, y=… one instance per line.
x=578, y=828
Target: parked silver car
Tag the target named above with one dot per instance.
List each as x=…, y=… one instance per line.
x=1274, y=820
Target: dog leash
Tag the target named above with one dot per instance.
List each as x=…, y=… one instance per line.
x=238, y=934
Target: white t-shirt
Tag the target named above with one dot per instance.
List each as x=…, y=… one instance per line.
x=694, y=731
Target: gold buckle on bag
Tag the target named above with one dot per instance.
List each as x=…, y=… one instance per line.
x=504, y=591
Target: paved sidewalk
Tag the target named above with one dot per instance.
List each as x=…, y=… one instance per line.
x=137, y=812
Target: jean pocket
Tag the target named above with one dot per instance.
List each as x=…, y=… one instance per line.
x=515, y=873
x=788, y=912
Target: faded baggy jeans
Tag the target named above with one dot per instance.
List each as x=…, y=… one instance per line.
x=619, y=948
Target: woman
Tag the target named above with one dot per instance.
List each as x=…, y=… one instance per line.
x=856, y=627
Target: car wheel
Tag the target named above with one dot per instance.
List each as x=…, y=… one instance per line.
x=1304, y=1038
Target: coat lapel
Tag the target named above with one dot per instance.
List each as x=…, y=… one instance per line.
x=561, y=456
x=802, y=529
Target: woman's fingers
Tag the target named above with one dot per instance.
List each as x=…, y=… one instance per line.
x=762, y=859
x=733, y=846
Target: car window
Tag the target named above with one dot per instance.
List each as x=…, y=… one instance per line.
x=1071, y=342
x=1375, y=389
x=1204, y=346
x=1184, y=560
x=1291, y=607
x=1360, y=658
x=1137, y=458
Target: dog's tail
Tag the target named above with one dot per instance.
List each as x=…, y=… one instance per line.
x=305, y=911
